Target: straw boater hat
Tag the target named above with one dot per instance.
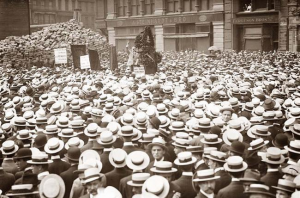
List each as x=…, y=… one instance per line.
x=57, y=107
x=156, y=185
x=18, y=121
x=127, y=131
x=9, y=147
x=52, y=186
x=24, y=135
x=54, y=145
x=117, y=158
x=235, y=164
x=177, y=126
x=165, y=121
x=39, y=158
x=259, y=189
x=294, y=147
x=127, y=119
x=286, y=186
x=231, y=135
x=106, y=138
x=211, y=139
x=21, y=190
x=217, y=156
x=163, y=167
x=74, y=142
x=137, y=160
x=259, y=130
x=273, y=156
x=52, y=129
x=236, y=124
x=91, y=174
x=202, y=176
x=157, y=142
x=147, y=138
x=185, y=158
x=91, y=130
x=257, y=144
x=205, y=123
x=138, y=179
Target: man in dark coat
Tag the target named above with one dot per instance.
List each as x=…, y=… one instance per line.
x=216, y=161
x=185, y=162
x=53, y=147
x=106, y=139
x=117, y=158
x=6, y=179
x=236, y=167
x=127, y=133
x=69, y=176
x=21, y=158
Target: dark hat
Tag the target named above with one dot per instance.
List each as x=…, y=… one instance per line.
x=259, y=189
x=269, y=104
x=155, y=122
x=281, y=140
x=40, y=141
x=30, y=178
x=23, y=153
x=237, y=147
x=251, y=175
x=253, y=160
x=73, y=154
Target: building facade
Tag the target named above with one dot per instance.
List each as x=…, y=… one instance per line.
x=46, y=12
x=176, y=24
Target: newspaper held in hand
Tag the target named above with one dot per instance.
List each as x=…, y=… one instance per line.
x=85, y=62
x=60, y=56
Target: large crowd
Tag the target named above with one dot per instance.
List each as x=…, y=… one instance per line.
x=203, y=126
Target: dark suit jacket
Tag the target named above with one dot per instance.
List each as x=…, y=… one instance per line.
x=130, y=148
x=6, y=181
x=107, y=167
x=87, y=146
x=223, y=181
x=68, y=177
x=234, y=189
x=186, y=186
x=125, y=189
x=271, y=179
x=114, y=177
x=200, y=195
x=58, y=166
x=173, y=189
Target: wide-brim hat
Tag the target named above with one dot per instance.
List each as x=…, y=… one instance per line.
x=219, y=140
x=227, y=141
x=56, y=150
x=113, y=162
x=81, y=144
x=259, y=192
x=39, y=162
x=151, y=182
x=262, y=145
x=196, y=179
x=138, y=135
x=179, y=163
x=114, y=138
x=140, y=165
x=155, y=170
x=267, y=160
x=156, y=144
x=24, y=138
x=22, y=190
x=90, y=154
x=229, y=169
x=11, y=151
x=52, y=186
x=133, y=133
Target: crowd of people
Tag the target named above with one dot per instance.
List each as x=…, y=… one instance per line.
x=204, y=127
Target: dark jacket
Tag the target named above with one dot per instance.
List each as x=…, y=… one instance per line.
x=186, y=186
x=271, y=179
x=125, y=189
x=234, y=189
x=223, y=181
x=58, y=166
x=113, y=178
x=107, y=167
x=6, y=181
x=68, y=177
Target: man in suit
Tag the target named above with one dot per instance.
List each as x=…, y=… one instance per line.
x=117, y=158
x=6, y=179
x=216, y=161
x=185, y=162
x=21, y=158
x=91, y=132
x=127, y=133
x=69, y=176
x=53, y=147
x=204, y=182
x=106, y=139
x=273, y=159
x=236, y=167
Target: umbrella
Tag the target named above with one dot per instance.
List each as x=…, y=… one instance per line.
x=213, y=48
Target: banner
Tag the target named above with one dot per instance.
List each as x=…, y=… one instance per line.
x=94, y=60
x=139, y=71
x=61, y=56
x=77, y=51
x=85, y=62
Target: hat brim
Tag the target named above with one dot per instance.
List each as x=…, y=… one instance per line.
x=265, y=143
x=11, y=194
x=138, y=167
x=81, y=143
x=134, y=132
x=30, y=136
x=206, y=179
x=154, y=170
x=165, y=191
x=259, y=192
x=114, y=138
x=245, y=166
x=291, y=150
x=61, y=146
x=156, y=144
x=178, y=163
x=130, y=183
x=139, y=135
x=205, y=142
x=12, y=152
x=32, y=162
x=226, y=141
x=265, y=159
x=60, y=182
x=215, y=159
x=283, y=189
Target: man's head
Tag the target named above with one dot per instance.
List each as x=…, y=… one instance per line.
x=39, y=168
x=93, y=180
x=205, y=180
x=226, y=115
x=207, y=186
x=158, y=152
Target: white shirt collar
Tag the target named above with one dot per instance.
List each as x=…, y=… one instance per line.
x=187, y=173
x=235, y=179
x=207, y=195
x=55, y=157
x=291, y=162
x=108, y=149
x=272, y=170
x=128, y=144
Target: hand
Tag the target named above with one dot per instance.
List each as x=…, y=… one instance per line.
x=176, y=195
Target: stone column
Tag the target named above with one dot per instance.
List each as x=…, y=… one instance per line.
x=142, y=7
x=218, y=35
x=128, y=13
x=159, y=38
x=111, y=36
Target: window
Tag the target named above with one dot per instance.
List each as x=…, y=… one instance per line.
x=149, y=6
x=59, y=4
x=256, y=5
x=206, y=4
x=189, y=5
x=42, y=4
x=47, y=19
x=135, y=7
x=73, y=4
x=66, y=5
x=122, y=7
x=35, y=18
x=173, y=5
x=34, y=3
x=52, y=18
x=41, y=19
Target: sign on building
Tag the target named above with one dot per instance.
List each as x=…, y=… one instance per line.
x=85, y=62
x=61, y=56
